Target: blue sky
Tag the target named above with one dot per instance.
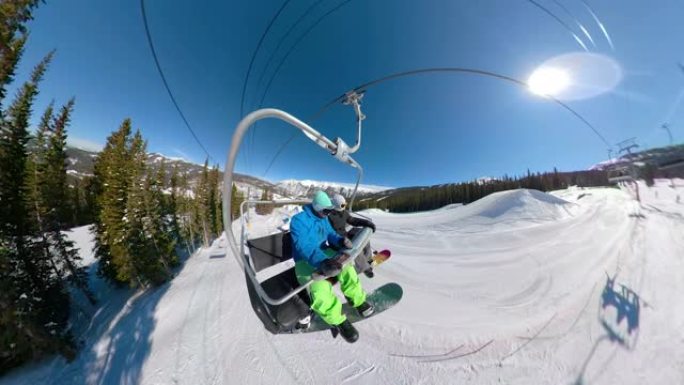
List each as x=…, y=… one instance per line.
x=426, y=129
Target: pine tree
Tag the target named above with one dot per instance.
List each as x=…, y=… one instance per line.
x=36, y=305
x=236, y=198
x=55, y=196
x=78, y=204
x=265, y=208
x=202, y=206
x=141, y=262
x=49, y=195
x=88, y=188
x=215, y=204
x=110, y=187
x=160, y=184
x=157, y=219
x=174, y=206
x=132, y=241
x=13, y=35
x=189, y=213
x=36, y=169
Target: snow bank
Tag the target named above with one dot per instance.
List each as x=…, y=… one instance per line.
x=517, y=203
x=506, y=209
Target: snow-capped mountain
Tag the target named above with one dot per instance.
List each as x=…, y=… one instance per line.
x=305, y=188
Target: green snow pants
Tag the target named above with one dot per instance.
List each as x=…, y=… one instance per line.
x=323, y=301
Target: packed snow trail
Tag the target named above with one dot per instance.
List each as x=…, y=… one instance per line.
x=503, y=290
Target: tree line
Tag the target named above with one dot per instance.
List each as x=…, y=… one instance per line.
x=433, y=197
x=143, y=219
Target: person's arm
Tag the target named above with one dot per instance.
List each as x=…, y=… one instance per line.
x=332, y=236
x=305, y=244
x=360, y=222
x=338, y=222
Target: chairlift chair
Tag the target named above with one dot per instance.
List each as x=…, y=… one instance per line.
x=277, y=299
x=620, y=174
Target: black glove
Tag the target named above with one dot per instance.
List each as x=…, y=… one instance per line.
x=371, y=225
x=346, y=243
x=330, y=267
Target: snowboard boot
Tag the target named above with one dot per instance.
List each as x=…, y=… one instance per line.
x=369, y=271
x=303, y=323
x=348, y=331
x=365, y=309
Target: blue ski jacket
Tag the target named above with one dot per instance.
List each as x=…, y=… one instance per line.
x=311, y=235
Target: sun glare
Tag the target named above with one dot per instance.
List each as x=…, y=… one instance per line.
x=548, y=81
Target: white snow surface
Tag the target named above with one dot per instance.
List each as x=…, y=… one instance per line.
x=503, y=290
x=84, y=242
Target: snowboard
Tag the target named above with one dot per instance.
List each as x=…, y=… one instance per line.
x=380, y=257
x=382, y=298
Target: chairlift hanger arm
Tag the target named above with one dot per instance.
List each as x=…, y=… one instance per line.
x=353, y=98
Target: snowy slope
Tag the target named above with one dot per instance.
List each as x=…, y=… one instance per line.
x=504, y=290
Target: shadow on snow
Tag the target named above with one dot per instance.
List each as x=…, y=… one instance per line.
x=619, y=311
x=115, y=338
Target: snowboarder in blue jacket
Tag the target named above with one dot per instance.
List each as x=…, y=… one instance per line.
x=316, y=247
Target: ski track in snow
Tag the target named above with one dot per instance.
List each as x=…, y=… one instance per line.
x=503, y=290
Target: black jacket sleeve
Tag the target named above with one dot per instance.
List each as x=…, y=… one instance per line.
x=338, y=220
x=358, y=222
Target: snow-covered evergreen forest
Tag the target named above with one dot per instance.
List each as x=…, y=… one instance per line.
x=145, y=220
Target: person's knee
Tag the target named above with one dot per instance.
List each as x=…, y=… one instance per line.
x=324, y=301
x=321, y=292
x=348, y=273
x=321, y=288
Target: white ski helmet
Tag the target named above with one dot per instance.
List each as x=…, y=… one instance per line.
x=339, y=203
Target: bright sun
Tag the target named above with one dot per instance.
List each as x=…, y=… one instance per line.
x=548, y=81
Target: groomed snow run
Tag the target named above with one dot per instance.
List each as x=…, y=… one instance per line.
x=506, y=290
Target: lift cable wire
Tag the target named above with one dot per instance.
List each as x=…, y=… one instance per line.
x=166, y=84
x=282, y=40
x=292, y=48
x=250, y=141
x=273, y=53
x=280, y=64
x=364, y=87
x=256, y=52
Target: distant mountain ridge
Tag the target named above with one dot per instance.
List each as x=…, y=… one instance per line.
x=80, y=164
x=306, y=188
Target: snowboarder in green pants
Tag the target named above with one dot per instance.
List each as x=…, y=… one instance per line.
x=315, y=249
